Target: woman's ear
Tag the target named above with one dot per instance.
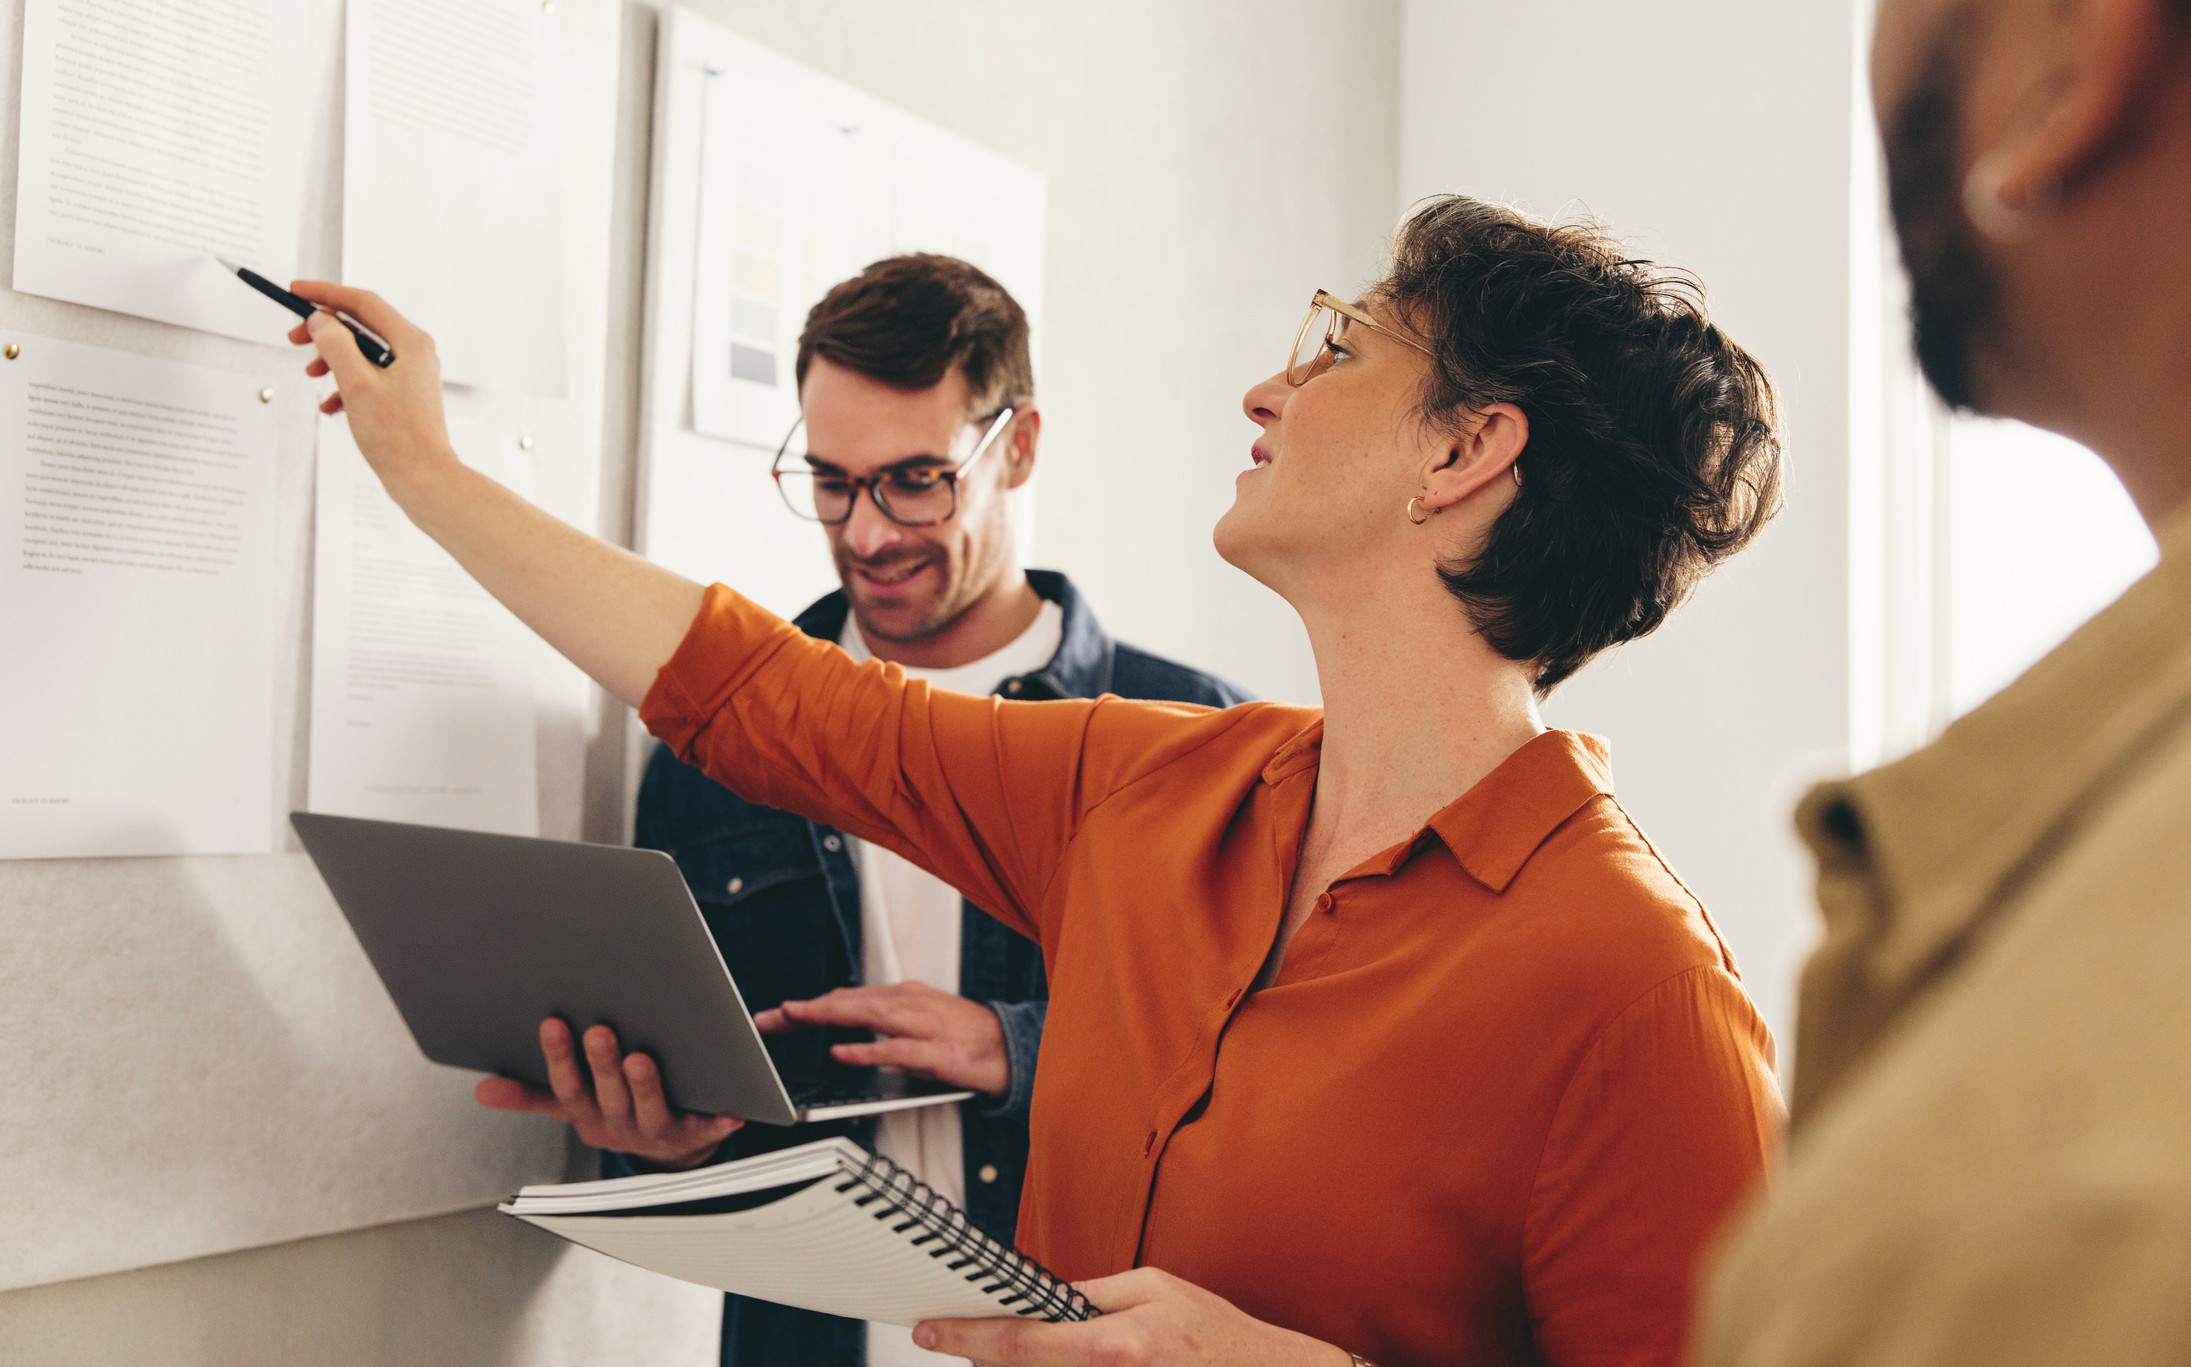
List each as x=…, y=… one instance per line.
x=1481, y=454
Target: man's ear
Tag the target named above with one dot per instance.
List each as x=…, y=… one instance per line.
x=1020, y=445
x=1480, y=454
x=2102, y=66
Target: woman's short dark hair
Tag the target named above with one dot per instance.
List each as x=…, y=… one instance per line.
x=1654, y=444
x=908, y=321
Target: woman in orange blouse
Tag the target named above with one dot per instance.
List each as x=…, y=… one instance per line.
x=1381, y=1029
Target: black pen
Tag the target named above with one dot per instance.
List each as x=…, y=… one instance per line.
x=374, y=348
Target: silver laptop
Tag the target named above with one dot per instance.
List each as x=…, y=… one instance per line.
x=478, y=938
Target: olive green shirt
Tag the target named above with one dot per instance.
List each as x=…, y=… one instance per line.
x=1990, y=1155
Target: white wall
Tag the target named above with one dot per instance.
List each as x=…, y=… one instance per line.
x=1716, y=134
x=1196, y=198
x=473, y=1290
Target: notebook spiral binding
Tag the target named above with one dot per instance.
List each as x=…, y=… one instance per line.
x=1030, y=1289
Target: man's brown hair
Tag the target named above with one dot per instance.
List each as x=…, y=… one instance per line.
x=908, y=321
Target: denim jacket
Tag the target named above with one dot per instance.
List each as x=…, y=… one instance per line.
x=781, y=896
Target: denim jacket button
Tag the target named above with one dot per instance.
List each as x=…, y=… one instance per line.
x=1013, y=686
x=735, y=886
x=832, y=843
x=988, y=1172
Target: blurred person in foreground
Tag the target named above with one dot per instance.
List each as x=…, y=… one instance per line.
x=1991, y=1158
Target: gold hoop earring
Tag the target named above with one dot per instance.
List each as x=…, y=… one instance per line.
x=1415, y=513
x=2007, y=219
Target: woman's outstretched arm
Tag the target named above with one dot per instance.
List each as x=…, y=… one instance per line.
x=986, y=796
x=614, y=615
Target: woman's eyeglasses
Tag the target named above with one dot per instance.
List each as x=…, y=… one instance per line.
x=911, y=496
x=1321, y=338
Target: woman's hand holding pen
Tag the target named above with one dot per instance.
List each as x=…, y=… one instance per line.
x=395, y=412
x=609, y=612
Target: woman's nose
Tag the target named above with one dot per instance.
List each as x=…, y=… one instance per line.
x=1265, y=401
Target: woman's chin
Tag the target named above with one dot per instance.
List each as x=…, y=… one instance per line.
x=1236, y=542
x=1225, y=536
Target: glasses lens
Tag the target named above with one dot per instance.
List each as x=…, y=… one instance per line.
x=1309, y=354
x=815, y=497
x=919, y=497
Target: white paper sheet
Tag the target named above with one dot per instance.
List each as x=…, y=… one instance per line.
x=804, y=181
x=452, y=180
x=136, y=604
x=158, y=133
x=422, y=685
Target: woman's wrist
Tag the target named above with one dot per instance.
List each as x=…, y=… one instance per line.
x=422, y=478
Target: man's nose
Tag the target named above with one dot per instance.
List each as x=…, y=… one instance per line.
x=868, y=532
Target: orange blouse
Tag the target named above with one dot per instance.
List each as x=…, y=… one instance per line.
x=1498, y=1100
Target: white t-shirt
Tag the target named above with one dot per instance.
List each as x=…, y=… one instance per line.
x=909, y=932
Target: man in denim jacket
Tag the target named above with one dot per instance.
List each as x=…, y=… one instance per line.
x=918, y=394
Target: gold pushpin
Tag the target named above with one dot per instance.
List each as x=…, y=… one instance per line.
x=266, y=396
x=14, y=351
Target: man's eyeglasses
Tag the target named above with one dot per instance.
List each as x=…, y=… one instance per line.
x=911, y=496
x=1321, y=338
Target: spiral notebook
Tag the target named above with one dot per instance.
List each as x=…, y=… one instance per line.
x=825, y=1226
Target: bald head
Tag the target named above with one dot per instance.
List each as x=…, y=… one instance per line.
x=2039, y=159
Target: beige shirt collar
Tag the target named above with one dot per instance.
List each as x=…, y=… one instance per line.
x=1935, y=838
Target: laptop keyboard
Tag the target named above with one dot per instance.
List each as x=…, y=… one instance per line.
x=849, y=1088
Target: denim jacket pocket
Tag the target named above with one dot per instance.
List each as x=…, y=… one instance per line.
x=735, y=868
x=766, y=902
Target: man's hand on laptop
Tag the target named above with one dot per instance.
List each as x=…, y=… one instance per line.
x=613, y=1100
x=922, y=1029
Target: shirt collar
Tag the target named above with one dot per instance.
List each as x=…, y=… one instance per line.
x=1494, y=827
x=1943, y=832
x=1081, y=668
x=1304, y=751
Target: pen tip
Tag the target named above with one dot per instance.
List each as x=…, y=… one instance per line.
x=232, y=266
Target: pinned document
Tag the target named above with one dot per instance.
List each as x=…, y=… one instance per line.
x=160, y=134
x=137, y=601
x=452, y=199
x=804, y=181
x=422, y=684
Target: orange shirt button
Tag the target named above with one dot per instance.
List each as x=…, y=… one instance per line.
x=1324, y=903
x=1233, y=999
x=1149, y=1144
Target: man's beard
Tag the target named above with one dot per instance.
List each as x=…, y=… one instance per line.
x=939, y=610
x=1954, y=291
